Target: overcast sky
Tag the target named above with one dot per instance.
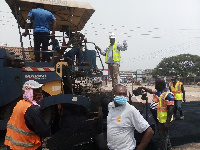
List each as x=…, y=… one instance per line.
x=154, y=29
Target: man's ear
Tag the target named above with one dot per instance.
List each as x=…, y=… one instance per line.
x=113, y=95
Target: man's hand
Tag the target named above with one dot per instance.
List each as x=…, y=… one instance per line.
x=52, y=35
x=125, y=43
x=184, y=100
x=66, y=45
x=25, y=33
x=97, y=48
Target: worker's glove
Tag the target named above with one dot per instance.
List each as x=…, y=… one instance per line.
x=125, y=43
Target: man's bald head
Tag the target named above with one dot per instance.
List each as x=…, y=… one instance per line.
x=120, y=90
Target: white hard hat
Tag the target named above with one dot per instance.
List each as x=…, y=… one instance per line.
x=112, y=36
x=31, y=84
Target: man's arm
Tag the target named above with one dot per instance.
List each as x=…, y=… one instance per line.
x=122, y=47
x=35, y=122
x=27, y=26
x=146, y=139
x=148, y=90
x=183, y=91
x=142, y=126
x=102, y=52
x=82, y=37
x=169, y=115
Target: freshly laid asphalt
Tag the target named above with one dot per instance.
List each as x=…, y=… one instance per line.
x=181, y=131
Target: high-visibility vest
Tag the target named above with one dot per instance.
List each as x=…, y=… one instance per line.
x=116, y=53
x=18, y=136
x=162, y=108
x=176, y=90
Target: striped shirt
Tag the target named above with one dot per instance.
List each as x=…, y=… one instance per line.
x=76, y=40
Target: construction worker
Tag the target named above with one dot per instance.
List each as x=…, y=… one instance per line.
x=75, y=39
x=176, y=87
x=122, y=120
x=26, y=125
x=113, y=57
x=41, y=23
x=164, y=100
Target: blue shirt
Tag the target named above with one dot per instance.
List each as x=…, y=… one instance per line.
x=169, y=98
x=41, y=20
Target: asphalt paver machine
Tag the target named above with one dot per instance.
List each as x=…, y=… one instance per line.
x=75, y=112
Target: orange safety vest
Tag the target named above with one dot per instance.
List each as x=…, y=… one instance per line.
x=162, y=108
x=18, y=136
x=176, y=90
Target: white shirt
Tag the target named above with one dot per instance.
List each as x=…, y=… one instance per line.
x=121, y=123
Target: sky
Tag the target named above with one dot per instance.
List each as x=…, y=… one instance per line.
x=154, y=29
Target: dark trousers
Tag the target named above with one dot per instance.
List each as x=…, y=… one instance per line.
x=154, y=114
x=165, y=143
x=177, y=106
x=41, y=38
x=70, y=55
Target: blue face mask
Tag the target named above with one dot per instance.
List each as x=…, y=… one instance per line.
x=120, y=100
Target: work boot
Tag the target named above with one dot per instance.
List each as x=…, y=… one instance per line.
x=181, y=117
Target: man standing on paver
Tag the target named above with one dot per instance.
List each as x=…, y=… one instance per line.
x=113, y=57
x=41, y=23
x=176, y=87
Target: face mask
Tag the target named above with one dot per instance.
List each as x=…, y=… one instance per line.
x=120, y=99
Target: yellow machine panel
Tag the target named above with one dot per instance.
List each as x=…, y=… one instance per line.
x=53, y=87
x=59, y=67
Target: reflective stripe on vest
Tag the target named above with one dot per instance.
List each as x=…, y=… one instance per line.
x=177, y=90
x=21, y=144
x=18, y=135
x=162, y=108
x=116, y=53
x=27, y=133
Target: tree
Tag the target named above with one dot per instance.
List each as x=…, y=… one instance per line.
x=184, y=65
